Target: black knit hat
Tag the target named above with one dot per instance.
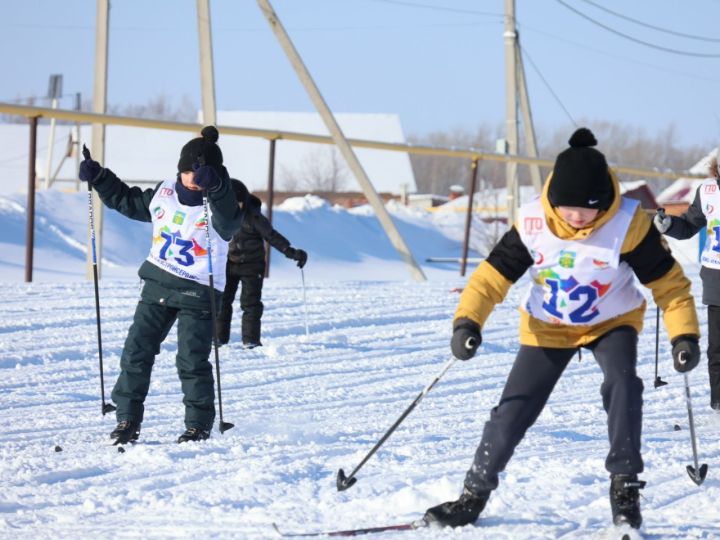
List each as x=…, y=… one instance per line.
x=202, y=146
x=581, y=176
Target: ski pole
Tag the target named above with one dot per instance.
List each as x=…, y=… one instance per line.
x=697, y=474
x=658, y=381
x=343, y=481
x=307, y=328
x=106, y=407
x=224, y=426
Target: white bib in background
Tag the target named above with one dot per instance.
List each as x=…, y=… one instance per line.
x=180, y=240
x=578, y=282
x=710, y=202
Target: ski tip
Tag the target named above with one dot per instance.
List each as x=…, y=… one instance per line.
x=120, y=450
x=58, y=448
x=676, y=427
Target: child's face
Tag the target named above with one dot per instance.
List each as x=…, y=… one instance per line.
x=188, y=180
x=576, y=216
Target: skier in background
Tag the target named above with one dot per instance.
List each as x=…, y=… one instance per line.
x=582, y=242
x=176, y=277
x=704, y=212
x=246, y=265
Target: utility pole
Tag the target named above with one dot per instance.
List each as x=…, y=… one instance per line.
x=511, y=177
x=341, y=141
x=528, y=126
x=54, y=93
x=207, y=77
x=102, y=24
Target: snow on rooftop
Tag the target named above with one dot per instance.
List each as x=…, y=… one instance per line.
x=139, y=154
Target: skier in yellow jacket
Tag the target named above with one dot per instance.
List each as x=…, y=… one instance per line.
x=583, y=244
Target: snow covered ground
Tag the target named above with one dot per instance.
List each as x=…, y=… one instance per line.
x=303, y=407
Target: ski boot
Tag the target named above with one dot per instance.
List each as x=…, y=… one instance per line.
x=625, y=499
x=125, y=432
x=223, y=331
x=194, y=434
x=458, y=513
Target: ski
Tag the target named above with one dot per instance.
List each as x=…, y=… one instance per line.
x=418, y=524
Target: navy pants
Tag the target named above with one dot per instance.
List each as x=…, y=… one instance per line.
x=155, y=315
x=532, y=378
x=713, y=352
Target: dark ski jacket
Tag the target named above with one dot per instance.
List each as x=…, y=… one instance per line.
x=134, y=202
x=686, y=226
x=247, y=246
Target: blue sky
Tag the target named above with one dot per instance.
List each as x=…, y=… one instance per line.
x=436, y=63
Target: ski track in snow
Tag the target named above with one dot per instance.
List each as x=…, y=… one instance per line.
x=303, y=407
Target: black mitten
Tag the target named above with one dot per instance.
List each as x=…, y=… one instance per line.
x=686, y=353
x=466, y=339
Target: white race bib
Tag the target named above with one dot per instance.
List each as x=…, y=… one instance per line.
x=180, y=239
x=578, y=282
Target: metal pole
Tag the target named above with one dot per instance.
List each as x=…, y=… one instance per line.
x=469, y=215
x=271, y=197
x=341, y=141
x=78, y=106
x=528, y=126
x=511, y=178
x=51, y=144
x=99, y=105
x=224, y=426
x=207, y=79
x=344, y=481
x=30, y=222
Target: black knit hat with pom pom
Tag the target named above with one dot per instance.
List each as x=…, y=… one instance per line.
x=581, y=177
x=204, y=146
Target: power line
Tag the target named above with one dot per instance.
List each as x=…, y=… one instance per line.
x=658, y=28
x=651, y=45
x=579, y=45
x=439, y=8
x=547, y=84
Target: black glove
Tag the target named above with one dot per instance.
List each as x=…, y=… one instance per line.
x=466, y=339
x=686, y=353
x=296, y=255
x=89, y=169
x=206, y=177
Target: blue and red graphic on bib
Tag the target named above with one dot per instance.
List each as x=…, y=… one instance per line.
x=712, y=238
x=568, y=301
x=179, y=249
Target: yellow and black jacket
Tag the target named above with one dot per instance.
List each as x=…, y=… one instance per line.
x=643, y=250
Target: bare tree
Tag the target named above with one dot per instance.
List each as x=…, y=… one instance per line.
x=621, y=144
x=322, y=169
x=159, y=108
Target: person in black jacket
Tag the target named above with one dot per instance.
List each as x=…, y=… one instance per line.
x=704, y=212
x=176, y=279
x=246, y=264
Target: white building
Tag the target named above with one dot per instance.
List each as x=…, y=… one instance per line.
x=138, y=155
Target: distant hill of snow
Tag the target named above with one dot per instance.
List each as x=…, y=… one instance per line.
x=342, y=244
